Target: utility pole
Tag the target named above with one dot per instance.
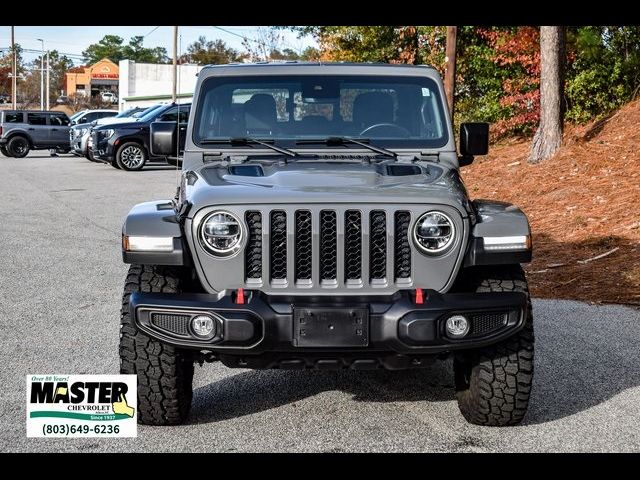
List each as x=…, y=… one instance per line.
x=450, y=69
x=14, y=70
x=41, y=75
x=174, y=95
x=47, y=89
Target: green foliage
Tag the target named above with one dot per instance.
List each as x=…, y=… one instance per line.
x=604, y=70
x=112, y=47
x=210, y=52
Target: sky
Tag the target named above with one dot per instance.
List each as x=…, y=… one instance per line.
x=73, y=40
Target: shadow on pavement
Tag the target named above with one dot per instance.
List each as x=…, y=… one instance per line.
x=255, y=391
x=583, y=358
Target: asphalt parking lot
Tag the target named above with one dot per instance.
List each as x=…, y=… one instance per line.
x=60, y=286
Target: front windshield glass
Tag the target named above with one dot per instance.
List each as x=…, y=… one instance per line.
x=77, y=115
x=149, y=113
x=128, y=113
x=396, y=111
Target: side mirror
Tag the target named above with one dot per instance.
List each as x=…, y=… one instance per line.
x=164, y=138
x=474, y=140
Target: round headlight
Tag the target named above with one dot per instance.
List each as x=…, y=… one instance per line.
x=221, y=233
x=434, y=232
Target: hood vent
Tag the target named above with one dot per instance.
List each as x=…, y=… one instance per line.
x=246, y=170
x=402, y=170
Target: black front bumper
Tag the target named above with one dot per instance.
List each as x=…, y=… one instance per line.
x=103, y=148
x=264, y=332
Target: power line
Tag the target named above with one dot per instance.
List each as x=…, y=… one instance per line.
x=144, y=36
x=31, y=50
x=248, y=39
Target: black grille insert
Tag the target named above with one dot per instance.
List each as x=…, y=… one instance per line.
x=278, y=245
x=402, y=247
x=253, y=252
x=352, y=245
x=303, y=245
x=171, y=322
x=484, y=323
x=328, y=245
x=378, y=245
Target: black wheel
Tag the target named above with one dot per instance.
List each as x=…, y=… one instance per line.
x=493, y=384
x=131, y=156
x=114, y=164
x=165, y=374
x=18, y=147
x=4, y=151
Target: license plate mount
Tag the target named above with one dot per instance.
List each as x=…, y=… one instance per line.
x=330, y=327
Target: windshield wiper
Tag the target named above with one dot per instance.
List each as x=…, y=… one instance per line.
x=248, y=141
x=329, y=141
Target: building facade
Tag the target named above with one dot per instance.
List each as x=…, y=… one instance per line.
x=94, y=79
x=145, y=84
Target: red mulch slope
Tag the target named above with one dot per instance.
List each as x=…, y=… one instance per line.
x=582, y=203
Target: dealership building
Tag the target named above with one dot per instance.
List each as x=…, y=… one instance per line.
x=101, y=76
x=145, y=84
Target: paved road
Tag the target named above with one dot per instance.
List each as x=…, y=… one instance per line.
x=60, y=291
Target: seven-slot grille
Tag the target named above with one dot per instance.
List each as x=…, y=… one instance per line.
x=328, y=247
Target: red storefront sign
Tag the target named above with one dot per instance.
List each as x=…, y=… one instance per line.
x=114, y=76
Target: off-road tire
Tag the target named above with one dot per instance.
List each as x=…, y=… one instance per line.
x=4, y=151
x=493, y=384
x=165, y=374
x=18, y=146
x=126, y=153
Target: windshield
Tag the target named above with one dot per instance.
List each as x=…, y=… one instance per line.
x=77, y=115
x=126, y=113
x=393, y=111
x=149, y=113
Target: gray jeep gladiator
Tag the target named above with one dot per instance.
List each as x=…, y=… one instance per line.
x=321, y=222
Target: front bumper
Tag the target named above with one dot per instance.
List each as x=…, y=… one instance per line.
x=103, y=148
x=79, y=144
x=262, y=332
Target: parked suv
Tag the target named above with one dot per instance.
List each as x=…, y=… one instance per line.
x=126, y=145
x=321, y=223
x=80, y=131
x=89, y=116
x=25, y=130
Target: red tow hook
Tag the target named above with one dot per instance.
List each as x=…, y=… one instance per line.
x=240, y=296
x=419, y=296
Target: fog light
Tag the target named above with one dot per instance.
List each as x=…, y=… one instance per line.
x=457, y=326
x=203, y=326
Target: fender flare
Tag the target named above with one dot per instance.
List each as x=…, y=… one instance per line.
x=157, y=219
x=498, y=220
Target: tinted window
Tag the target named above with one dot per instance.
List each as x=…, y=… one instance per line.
x=37, y=118
x=150, y=113
x=13, y=117
x=400, y=111
x=59, y=120
x=107, y=114
x=171, y=115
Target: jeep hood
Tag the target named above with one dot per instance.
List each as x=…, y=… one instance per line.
x=301, y=182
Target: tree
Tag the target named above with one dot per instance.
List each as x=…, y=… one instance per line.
x=210, y=52
x=58, y=66
x=111, y=47
x=5, y=68
x=548, y=137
